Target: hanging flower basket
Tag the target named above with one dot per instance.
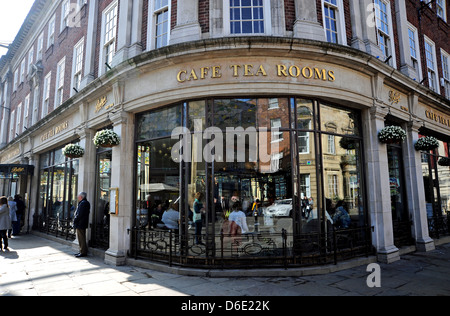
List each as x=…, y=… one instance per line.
x=444, y=161
x=106, y=138
x=427, y=143
x=73, y=151
x=347, y=143
x=392, y=135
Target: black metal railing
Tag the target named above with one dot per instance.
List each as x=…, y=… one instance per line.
x=62, y=228
x=251, y=250
x=439, y=226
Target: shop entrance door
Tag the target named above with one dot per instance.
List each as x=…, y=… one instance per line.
x=400, y=216
x=100, y=224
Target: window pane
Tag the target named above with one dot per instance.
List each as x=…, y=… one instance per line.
x=159, y=123
x=235, y=113
x=346, y=121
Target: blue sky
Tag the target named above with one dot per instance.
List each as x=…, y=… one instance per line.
x=12, y=15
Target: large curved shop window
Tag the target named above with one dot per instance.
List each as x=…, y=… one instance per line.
x=294, y=166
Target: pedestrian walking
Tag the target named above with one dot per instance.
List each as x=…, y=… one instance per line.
x=12, y=215
x=81, y=222
x=5, y=223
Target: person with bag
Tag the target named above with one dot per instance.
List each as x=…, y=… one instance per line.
x=5, y=223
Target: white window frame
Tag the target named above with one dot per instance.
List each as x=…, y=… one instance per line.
x=16, y=79
x=77, y=65
x=340, y=20
x=40, y=47
x=30, y=58
x=65, y=12
x=307, y=185
x=18, y=118
x=435, y=70
x=333, y=185
x=35, y=112
x=445, y=72
x=331, y=144
x=59, y=86
x=22, y=71
x=12, y=122
x=46, y=94
x=381, y=32
x=26, y=110
x=277, y=136
x=51, y=32
x=416, y=59
x=80, y=4
x=104, y=45
x=441, y=7
x=267, y=20
x=152, y=20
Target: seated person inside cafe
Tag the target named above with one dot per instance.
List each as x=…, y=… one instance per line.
x=171, y=217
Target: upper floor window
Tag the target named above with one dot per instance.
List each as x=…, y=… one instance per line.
x=16, y=79
x=26, y=109
x=161, y=18
x=445, y=57
x=441, y=9
x=30, y=58
x=60, y=82
x=51, y=32
x=414, y=51
x=65, y=11
x=334, y=21
x=11, y=125
x=109, y=33
x=247, y=17
x=19, y=118
x=384, y=29
x=46, y=94
x=22, y=71
x=40, y=46
x=78, y=64
x=430, y=53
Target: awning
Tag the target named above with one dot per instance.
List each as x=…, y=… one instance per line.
x=157, y=187
x=17, y=169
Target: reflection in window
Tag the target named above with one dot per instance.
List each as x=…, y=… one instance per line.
x=159, y=123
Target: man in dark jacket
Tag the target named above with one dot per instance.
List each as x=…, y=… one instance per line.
x=81, y=222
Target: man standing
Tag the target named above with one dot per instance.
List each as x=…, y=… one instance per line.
x=81, y=222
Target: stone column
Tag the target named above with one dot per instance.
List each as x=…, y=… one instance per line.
x=364, y=27
x=306, y=24
x=91, y=38
x=378, y=185
x=406, y=66
x=129, y=31
x=122, y=178
x=187, y=28
x=415, y=187
x=33, y=186
x=86, y=172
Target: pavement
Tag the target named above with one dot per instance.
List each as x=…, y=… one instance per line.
x=36, y=266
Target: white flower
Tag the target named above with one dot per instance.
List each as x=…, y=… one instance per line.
x=73, y=150
x=106, y=137
x=427, y=143
x=392, y=133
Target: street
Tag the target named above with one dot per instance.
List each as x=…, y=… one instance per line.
x=39, y=267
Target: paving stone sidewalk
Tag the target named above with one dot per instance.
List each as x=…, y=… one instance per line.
x=35, y=266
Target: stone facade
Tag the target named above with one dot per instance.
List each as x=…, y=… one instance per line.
x=141, y=77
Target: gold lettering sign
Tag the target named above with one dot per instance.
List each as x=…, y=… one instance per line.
x=55, y=131
x=437, y=118
x=17, y=169
x=252, y=70
x=11, y=155
x=101, y=104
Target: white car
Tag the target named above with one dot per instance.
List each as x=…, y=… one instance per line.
x=280, y=208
